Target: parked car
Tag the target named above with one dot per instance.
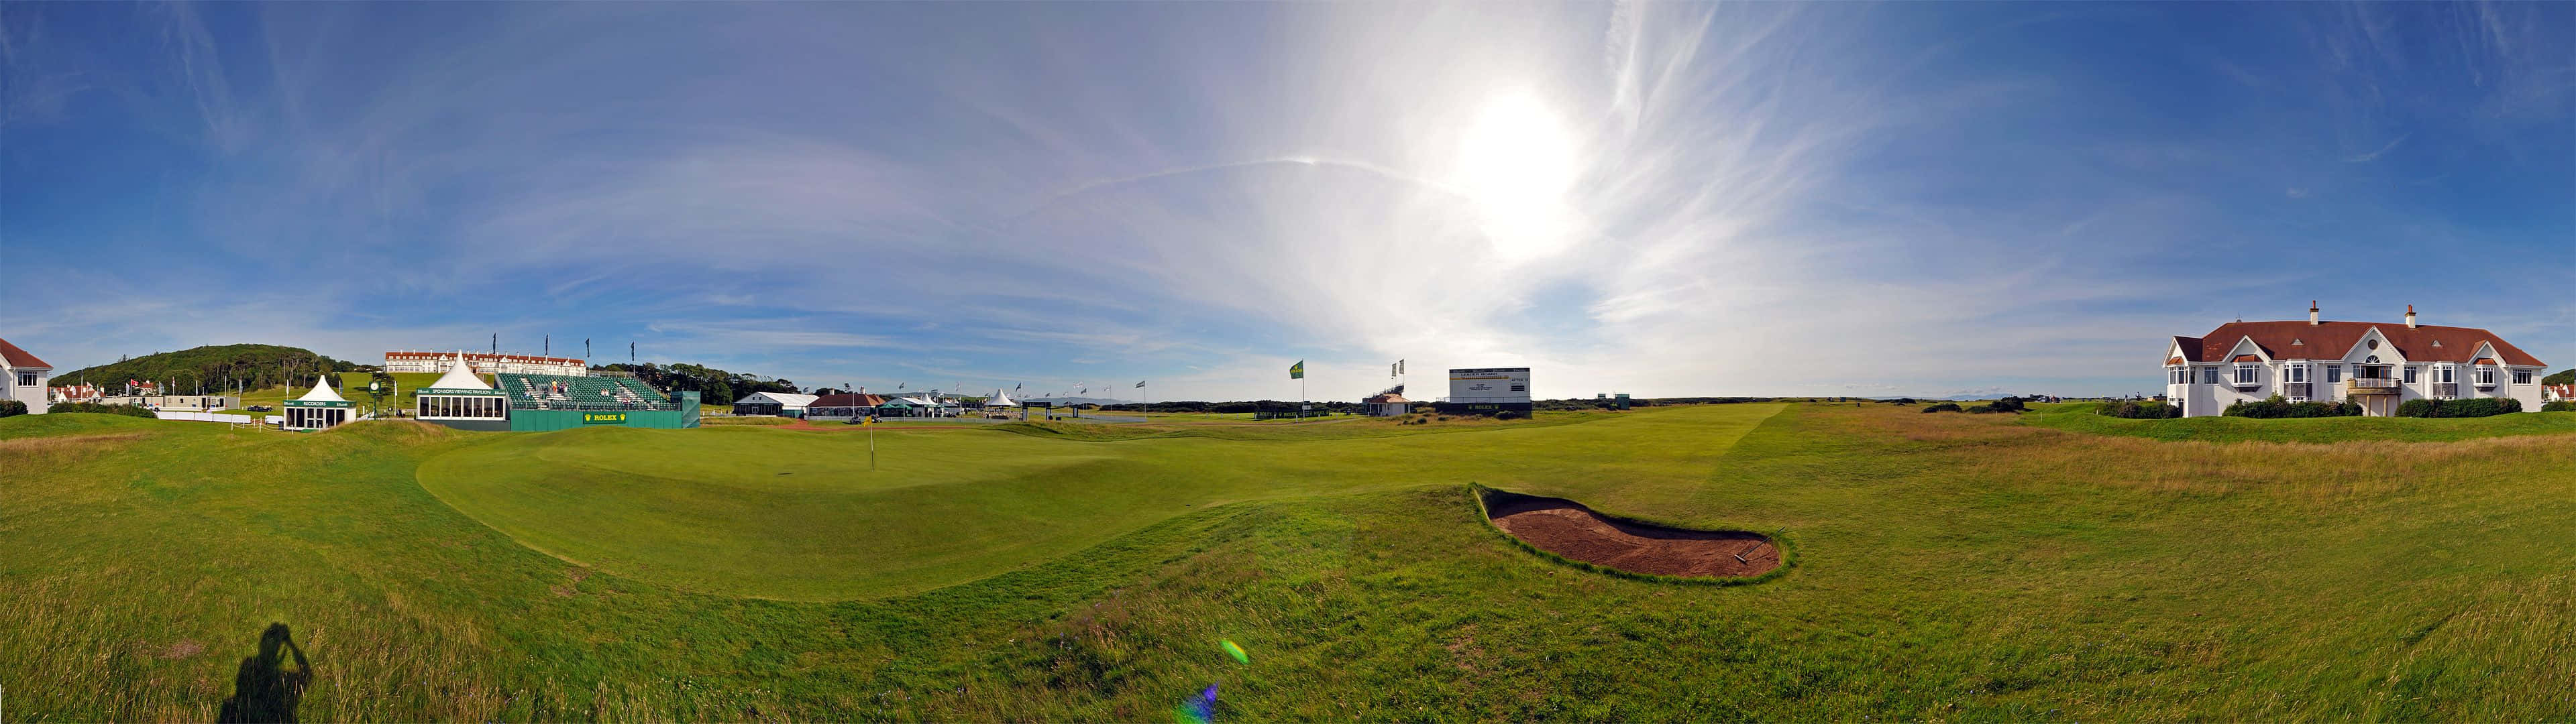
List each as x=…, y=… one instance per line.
x=258, y=408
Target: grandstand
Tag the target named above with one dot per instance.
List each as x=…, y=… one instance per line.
x=562, y=392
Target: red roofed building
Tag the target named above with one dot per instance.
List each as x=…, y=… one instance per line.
x=843, y=406
x=2378, y=365
x=25, y=376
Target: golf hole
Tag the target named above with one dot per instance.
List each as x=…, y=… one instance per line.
x=1569, y=529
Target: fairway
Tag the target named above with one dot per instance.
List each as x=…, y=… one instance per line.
x=799, y=515
x=1948, y=567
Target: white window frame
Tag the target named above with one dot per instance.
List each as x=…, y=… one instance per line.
x=2444, y=374
x=2486, y=375
x=2406, y=374
x=2521, y=377
x=2209, y=375
x=2177, y=375
x=26, y=379
x=2334, y=374
x=2246, y=373
x=2294, y=373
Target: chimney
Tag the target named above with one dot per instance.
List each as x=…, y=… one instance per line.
x=2410, y=316
x=2312, y=312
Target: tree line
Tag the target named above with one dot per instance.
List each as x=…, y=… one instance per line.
x=215, y=368
x=714, y=386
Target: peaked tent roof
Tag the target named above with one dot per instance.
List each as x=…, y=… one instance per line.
x=2330, y=340
x=321, y=391
x=1000, y=399
x=789, y=399
x=20, y=358
x=459, y=377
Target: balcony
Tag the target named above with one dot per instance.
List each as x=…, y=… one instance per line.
x=2370, y=386
x=2296, y=391
x=2446, y=390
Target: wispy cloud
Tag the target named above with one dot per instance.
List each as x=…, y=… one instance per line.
x=1641, y=197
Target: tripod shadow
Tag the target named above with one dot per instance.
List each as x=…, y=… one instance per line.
x=264, y=690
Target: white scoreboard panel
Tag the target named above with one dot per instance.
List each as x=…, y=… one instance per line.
x=1490, y=384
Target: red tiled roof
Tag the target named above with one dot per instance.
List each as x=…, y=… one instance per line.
x=847, y=400
x=2175, y=360
x=2486, y=360
x=2246, y=358
x=19, y=357
x=2330, y=340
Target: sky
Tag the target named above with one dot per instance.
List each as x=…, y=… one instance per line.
x=1924, y=199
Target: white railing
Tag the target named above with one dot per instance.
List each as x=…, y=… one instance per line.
x=2374, y=383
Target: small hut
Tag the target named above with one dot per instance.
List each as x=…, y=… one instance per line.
x=320, y=409
x=1388, y=404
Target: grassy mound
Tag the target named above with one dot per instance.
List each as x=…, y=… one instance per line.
x=2079, y=417
x=762, y=513
x=75, y=423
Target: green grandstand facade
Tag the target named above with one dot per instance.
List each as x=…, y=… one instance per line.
x=540, y=403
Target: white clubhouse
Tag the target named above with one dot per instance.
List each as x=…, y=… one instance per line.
x=2376, y=365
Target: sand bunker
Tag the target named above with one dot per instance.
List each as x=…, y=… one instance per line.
x=1566, y=528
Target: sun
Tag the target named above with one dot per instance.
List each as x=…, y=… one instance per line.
x=1516, y=161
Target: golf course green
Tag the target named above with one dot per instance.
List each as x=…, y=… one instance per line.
x=1949, y=566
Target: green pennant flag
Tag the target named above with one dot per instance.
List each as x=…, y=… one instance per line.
x=1297, y=371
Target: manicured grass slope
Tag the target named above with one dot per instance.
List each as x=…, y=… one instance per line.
x=800, y=516
x=2079, y=416
x=1952, y=567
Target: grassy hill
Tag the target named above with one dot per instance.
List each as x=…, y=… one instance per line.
x=1951, y=567
x=353, y=386
x=217, y=367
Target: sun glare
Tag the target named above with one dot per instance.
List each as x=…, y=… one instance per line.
x=1517, y=161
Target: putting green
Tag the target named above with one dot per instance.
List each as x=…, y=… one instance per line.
x=799, y=515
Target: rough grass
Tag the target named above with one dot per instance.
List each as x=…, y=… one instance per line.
x=1951, y=567
x=755, y=420
x=2079, y=417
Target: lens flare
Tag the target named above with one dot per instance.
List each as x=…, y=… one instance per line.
x=1237, y=652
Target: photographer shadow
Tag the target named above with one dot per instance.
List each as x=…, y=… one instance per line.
x=265, y=690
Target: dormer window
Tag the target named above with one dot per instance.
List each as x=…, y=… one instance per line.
x=2437, y=343
x=2296, y=342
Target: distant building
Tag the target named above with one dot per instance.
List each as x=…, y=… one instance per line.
x=2558, y=393
x=2378, y=365
x=843, y=406
x=74, y=393
x=26, y=376
x=1387, y=404
x=786, y=404
x=486, y=363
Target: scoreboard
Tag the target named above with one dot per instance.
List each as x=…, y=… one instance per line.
x=1488, y=390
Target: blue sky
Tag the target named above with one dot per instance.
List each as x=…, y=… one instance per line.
x=1924, y=198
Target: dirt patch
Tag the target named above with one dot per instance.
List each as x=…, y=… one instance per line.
x=183, y=649
x=1566, y=528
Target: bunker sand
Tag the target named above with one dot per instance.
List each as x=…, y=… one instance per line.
x=1566, y=528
